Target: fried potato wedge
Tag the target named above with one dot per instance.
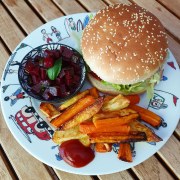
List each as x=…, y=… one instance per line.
x=124, y=152
x=85, y=114
x=147, y=116
x=115, y=121
x=49, y=110
x=73, y=110
x=115, y=104
x=151, y=136
x=61, y=136
x=73, y=100
x=115, y=137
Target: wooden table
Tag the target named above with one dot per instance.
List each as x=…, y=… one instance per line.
x=18, y=18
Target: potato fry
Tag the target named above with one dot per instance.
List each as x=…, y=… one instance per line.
x=73, y=100
x=49, y=110
x=121, y=112
x=103, y=147
x=148, y=116
x=115, y=121
x=72, y=111
x=124, y=152
x=89, y=127
x=151, y=136
x=115, y=104
x=60, y=136
x=85, y=114
x=115, y=137
x=94, y=92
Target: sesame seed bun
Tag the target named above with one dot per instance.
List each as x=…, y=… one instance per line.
x=124, y=44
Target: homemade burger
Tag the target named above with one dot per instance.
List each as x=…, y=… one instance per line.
x=125, y=47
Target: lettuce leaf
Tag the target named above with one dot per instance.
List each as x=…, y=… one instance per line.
x=147, y=85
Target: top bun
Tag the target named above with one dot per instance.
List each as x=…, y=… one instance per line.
x=124, y=44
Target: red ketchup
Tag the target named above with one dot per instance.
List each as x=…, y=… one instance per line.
x=75, y=153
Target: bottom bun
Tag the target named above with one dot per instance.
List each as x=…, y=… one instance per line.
x=108, y=89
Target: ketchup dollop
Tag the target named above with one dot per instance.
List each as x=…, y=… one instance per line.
x=75, y=153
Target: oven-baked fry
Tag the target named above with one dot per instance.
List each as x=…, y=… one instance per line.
x=73, y=100
x=84, y=115
x=49, y=110
x=115, y=104
x=73, y=110
x=148, y=116
x=115, y=137
x=151, y=136
x=124, y=152
x=115, y=121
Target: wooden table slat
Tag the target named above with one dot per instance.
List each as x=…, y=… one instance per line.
x=151, y=169
x=67, y=176
x=46, y=9
x=170, y=22
x=10, y=32
x=169, y=153
x=69, y=7
x=173, y=6
x=4, y=170
x=23, y=14
x=92, y=5
x=174, y=46
x=120, y=175
x=117, y=1
x=4, y=55
x=177, y=131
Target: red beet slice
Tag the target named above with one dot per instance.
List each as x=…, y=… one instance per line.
x=37, y=88
x=35, y=79
x=29, y=66
x=43, y=73
x=67, y=53
x=48, y=62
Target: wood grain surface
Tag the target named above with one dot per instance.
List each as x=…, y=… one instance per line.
x=18, y=18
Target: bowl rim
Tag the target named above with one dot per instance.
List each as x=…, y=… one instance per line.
x=56, y=99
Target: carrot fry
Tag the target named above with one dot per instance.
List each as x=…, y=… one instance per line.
x=116, y=121
x=108, y=98
x=124, y=152
x=116, y=137
x=94, y=92
x=147, y=116
x=103, y=147
x=151, y=136
x=73, y=100
x=134, y=99
x=121, y=112
x=89, y=127
x=84, y=115
x=72, y=111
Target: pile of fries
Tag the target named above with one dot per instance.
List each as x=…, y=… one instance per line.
x=102, y=120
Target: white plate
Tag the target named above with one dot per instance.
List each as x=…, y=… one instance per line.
x=30, y=129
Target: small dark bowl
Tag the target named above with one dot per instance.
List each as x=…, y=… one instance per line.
x=40, y=51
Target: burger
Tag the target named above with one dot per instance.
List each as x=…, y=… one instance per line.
x=125, y=48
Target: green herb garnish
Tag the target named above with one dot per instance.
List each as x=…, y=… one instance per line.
x=55, y=70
